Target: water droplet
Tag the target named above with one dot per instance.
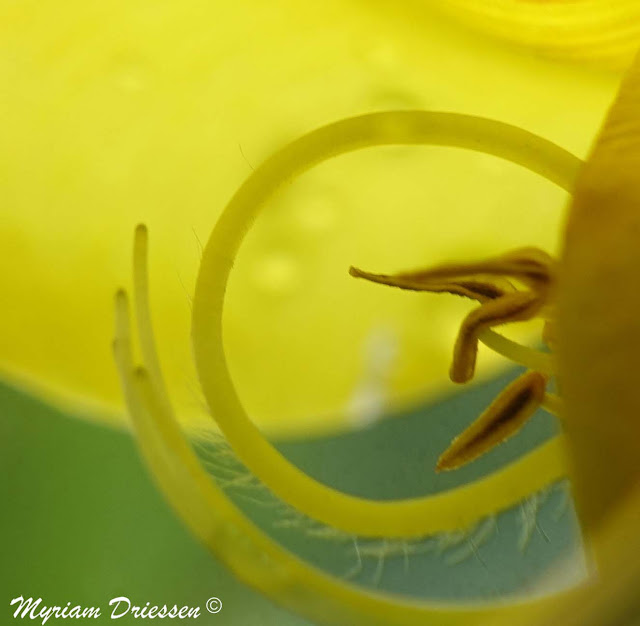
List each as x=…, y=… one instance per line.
x=130, y=81
x=316, y=216
x=128, y=73
x=276, y=272
x=384, y=56
x=369, y=399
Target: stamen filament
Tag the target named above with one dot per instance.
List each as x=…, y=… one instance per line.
x=501, y=420
x=553, y=404
x=532, y=359
x=143, y=312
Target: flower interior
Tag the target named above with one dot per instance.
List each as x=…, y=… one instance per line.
x=515, y=286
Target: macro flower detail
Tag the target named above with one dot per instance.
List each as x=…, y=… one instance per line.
x=205, y=507
x=340, y=453
x=488, y=282
x=400, y=518
x=128, y=85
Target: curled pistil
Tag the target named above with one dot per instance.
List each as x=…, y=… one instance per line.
x=490, y=284
x=514, y=286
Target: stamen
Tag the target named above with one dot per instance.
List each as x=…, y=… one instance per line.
x=531, y=266
x=514, y=307
x=532, y=359
x=143, y=313
x=476, y=288
x=501, y=420
x=500, y=303
x=122, y=340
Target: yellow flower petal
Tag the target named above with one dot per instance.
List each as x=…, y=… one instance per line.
x=599, y=366
x=600, y=32
x=599, y=313
x=156, y=113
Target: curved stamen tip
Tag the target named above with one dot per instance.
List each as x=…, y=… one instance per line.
x=383, y=279
x=121, y=302
x=141, y=230
x=122, y=335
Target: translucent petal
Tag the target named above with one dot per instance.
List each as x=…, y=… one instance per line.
x=599, y=312
x=156, y=113
x=598, y=32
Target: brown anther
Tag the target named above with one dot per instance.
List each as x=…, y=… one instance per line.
x=504, y=417
x=514, y=307
x=531, y=266
x=488, y=282
x=479, y=288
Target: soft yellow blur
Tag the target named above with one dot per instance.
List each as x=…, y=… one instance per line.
x=598, y=314
x=601, y=32
x=121, y=112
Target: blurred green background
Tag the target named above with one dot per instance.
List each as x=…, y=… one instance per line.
x=84, y=523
